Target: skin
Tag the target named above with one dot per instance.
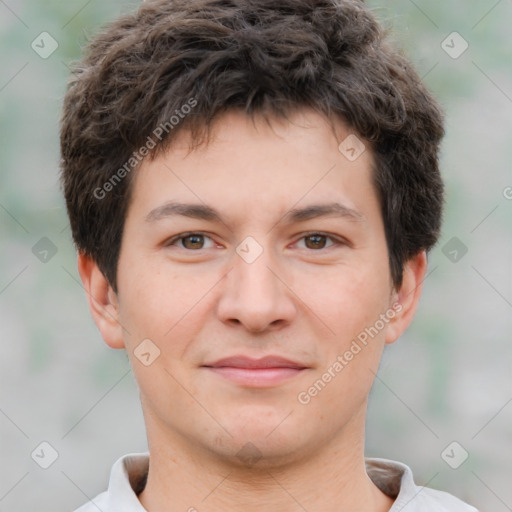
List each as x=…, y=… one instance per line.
x=198, y=301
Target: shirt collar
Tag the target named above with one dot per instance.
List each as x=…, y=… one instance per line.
x=128, y=475
x=394, y=479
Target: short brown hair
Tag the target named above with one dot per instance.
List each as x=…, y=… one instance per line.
x=261, y=56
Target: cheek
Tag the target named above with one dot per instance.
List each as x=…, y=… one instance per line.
x=352, y=354
x=150, y=301
x=158, y=307
x=350, y=300
x=167, y=307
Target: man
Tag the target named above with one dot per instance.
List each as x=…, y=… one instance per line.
x=253, y=188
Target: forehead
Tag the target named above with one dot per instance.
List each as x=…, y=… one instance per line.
x=260, y=168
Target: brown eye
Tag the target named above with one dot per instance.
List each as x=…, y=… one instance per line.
x=316, y=241
x=193, y=241
x=190, y=241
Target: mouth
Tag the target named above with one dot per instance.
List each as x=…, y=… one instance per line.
x=264, y=372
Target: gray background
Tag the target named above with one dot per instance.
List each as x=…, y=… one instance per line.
x=447, y=379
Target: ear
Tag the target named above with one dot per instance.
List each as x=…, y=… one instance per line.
x=102, y=301
x=406, y=298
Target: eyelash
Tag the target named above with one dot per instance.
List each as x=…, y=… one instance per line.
x=337, y=241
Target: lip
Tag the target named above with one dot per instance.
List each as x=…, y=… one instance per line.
x=240, y=361
x=263, y=372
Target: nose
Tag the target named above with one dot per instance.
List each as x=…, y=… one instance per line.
x=256, y=294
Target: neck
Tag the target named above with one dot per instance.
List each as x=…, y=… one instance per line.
x=185, y=476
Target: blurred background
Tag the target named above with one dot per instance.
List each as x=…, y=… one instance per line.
x=442, y=401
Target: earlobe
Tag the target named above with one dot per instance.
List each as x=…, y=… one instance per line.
x=406, y=299
x=102, y=301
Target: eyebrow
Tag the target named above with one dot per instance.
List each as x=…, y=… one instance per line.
x=205, y=212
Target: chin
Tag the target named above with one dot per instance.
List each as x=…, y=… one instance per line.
x=259, y=446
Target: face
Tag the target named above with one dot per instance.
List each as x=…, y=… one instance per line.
x=267, y=242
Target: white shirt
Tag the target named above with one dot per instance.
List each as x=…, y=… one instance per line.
x=128, y=477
